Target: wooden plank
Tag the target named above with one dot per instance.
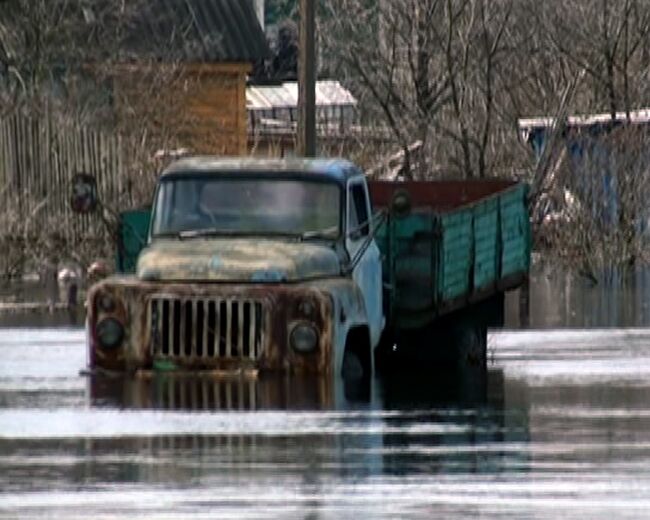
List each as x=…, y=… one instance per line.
x=4, y=164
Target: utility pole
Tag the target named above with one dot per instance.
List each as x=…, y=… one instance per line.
x=307, y=80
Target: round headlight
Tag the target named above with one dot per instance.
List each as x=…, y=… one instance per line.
x=306, y=308
x=110, y=333
x=106, y=303
x=304, y=338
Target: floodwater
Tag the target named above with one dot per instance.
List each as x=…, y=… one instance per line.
x=559, y=428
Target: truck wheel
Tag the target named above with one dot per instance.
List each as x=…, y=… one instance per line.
x=357, y=362
x=352, y=368
x=385, y=353
x=471, y=345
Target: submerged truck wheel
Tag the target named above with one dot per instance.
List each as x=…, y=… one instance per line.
x=357, y=360
x=470, y=341
x=352, y=367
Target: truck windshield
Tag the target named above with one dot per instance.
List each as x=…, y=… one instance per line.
x=250, y=206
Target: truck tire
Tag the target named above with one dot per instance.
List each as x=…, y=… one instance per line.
x=385, y=353
x=357, y=361
x=471, y=345
x=352, y=368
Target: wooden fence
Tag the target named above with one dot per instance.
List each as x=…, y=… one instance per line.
x=38, y=159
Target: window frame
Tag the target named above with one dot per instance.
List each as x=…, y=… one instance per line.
x=361, y=229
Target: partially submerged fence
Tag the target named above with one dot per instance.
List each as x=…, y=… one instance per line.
x=38, y=159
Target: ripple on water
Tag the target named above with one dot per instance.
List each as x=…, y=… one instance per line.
x=562, y=430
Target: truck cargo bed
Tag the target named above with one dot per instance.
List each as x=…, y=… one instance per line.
x=462, y=242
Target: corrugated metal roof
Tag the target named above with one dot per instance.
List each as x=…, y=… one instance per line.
x=641, y=116
x=167, y=30
x=274, y=108
x=200, y=31
x=285, y=95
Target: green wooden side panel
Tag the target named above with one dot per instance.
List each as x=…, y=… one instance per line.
x=486, y=244
x=413, y=241
x=456, y=250
x=409, y=246
x=515, y=233
x=433, y=260
x=133, y=230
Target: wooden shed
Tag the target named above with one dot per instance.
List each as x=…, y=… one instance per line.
x=165, y=66
x=199, y=53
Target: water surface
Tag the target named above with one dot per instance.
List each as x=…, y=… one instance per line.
x=558, y=428
x=562, y=423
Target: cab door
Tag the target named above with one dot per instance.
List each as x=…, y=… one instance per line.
x=362, y=248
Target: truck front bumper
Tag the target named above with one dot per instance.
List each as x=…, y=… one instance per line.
x=211, y=326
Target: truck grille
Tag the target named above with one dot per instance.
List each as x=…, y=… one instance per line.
x=206, y=328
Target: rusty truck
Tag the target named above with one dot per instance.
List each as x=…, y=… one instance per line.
x=304, y=265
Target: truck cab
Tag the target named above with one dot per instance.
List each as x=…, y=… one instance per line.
x=249, y=265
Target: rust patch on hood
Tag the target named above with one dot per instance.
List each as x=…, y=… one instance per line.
x=236, y=260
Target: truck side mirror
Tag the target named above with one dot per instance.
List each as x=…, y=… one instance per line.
x=400, y=204
x=84, y=193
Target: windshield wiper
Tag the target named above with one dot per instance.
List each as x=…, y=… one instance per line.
x=165, y=234
x=213, y=232
x=207, y=232
x=320, y=233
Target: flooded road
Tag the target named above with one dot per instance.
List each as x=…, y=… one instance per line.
x=561, y=428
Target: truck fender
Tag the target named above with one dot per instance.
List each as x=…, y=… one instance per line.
x=357, y=356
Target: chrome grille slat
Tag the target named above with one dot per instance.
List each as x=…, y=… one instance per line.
x=179, y=348
x=229, y=316
x=168, y=347
x=217, y=329
x=206, y=324
x=251, y=329
x=159, y=314
x=205, y=329
x=193, y=340
x=240, y=324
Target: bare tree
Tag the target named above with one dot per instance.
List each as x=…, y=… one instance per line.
x=383, y=50
x=475, y=53
x=429, y=71
x=458, y=75
x=609, y=41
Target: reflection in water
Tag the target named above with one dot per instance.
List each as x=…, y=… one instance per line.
x=558, y=427
x=169, y=391
x=275, y=446
x=207, y=392
x=559, y=298
x=35, y=292
x=202, y=446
